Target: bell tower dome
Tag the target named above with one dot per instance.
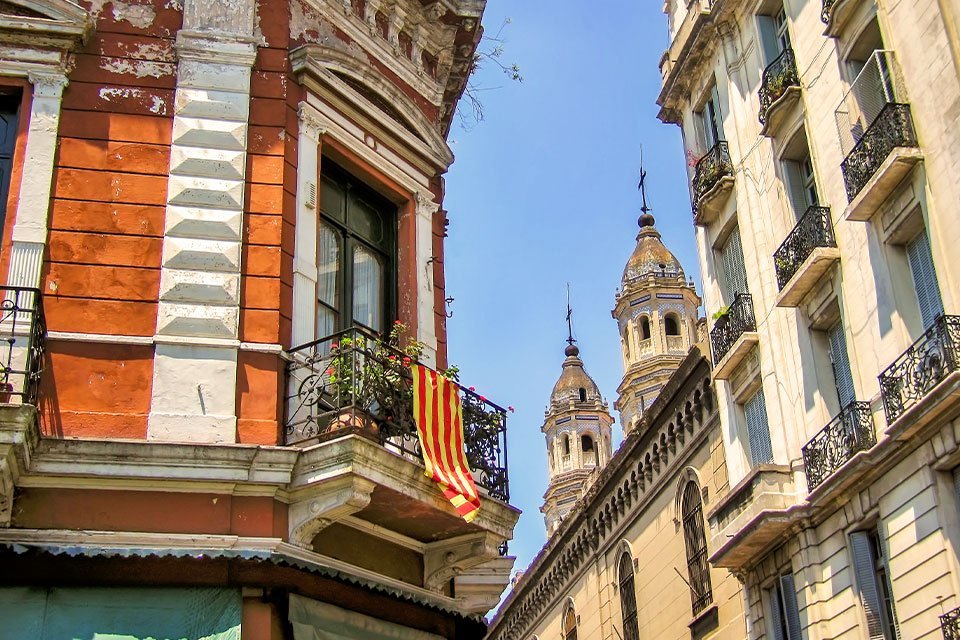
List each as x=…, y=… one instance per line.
x=577, y=425
x=656, y=309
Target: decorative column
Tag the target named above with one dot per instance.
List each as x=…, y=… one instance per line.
x=426, y=315
x=305, y=243
x=30, y=227
x=197, y=335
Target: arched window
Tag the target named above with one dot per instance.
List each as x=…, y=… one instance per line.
x=566, y=445
x=644, y=328
x=670, y=325
x=628, y=598
x=586, y=443
x=694, y=535
x=570, y=625
x=583, y=394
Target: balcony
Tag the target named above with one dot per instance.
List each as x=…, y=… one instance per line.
x=675, y=345
x=834, y=14
x=921, y=372
x=712, y=183
x=354, y=383
x=950, y=625
x=22, y=343
x=849, y=433
x=877, y=135
x=733, y=335
x=806, y=254
x=779, y=89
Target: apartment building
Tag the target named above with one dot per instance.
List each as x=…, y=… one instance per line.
x=223, y=245
x=823, y=151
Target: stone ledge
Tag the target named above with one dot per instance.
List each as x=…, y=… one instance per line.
x=737, y=353
x=807, y=276
x=883, y=182
x=778, y=109
x=711, y=202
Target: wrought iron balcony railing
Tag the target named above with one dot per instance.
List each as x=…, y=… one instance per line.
x=950, y=625
x=710, y=169
x=850, y=432
x=354, y=382
x=921, y=367
x=814, y=230
x=23, y=334
x=780, y=75
x=734, y=323
x=827, y=10
x=891, y=129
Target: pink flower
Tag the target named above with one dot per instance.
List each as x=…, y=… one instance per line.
x=472, y=388
x=334, y=346
x=328, y=372
x=482, y=398
x=397, y=322
x=510, y=409
x=407, y=360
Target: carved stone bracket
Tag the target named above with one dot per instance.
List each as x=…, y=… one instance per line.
x=330, y=502
x=450, y=558
x=6, y=492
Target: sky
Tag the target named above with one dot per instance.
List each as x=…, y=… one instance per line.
x=544, y=192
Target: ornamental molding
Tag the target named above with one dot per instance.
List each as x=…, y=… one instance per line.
x=43, y=24
x=671, y=430
x=47, y=85
x=330, y=502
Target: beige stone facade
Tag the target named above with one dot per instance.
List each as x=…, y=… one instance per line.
x=823, y=147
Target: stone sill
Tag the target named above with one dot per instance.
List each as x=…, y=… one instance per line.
x=711, y=202
x=729, y=363
x=887, y=177
x=807, y=276
x=777, y=111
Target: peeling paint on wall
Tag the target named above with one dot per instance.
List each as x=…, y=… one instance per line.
x=154, y=104
x=138, y=15
x=138, y=68
x=306, y=25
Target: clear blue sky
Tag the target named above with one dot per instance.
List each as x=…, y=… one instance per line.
x=543, y=192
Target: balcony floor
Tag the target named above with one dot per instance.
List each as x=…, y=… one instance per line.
x=893, y=170
x=807, y=276
x=712, y=202
x=729, y=363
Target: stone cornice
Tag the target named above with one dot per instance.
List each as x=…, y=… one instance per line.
x=667, y=434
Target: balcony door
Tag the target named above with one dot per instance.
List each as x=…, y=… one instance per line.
x=355, y=255
x=9, y=107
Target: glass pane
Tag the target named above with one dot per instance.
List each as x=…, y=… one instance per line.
x=367, y=288
x=366, y=221
x=333, y=200
x=328, y=265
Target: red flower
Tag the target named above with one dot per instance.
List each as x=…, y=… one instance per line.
x=334, y=346
x=482, y=398
x=328, y=372
x=472, y=388
x=407, y=360
x=397, y=322
x=510, y=409
x=392, y=358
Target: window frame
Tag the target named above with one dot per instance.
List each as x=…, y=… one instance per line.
x=628, y=598
x=695, y=546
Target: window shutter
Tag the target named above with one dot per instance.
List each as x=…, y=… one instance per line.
x=733, y=269
x=885, y=559
x=925, y=279
x=795, y=188
x=776, y=625
x=841, y=365
x=758, y=431
x=866, y=582
x=791, y=612
x=768, y=38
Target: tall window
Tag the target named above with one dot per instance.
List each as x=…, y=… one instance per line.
x=628, y=598
x=758, y=429
x=709, y=121
x=355, y=251
x=670, y=325
x=840, y=363
x=734, y=272
x=644, y=328
x=925, y=278
x=873, y=580
x=784, y=623
x=9, y=106
x=798, y=175
x=774, y=35
x=695, y=539
x=570, y=625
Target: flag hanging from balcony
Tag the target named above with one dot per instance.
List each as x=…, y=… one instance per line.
x=438, y=414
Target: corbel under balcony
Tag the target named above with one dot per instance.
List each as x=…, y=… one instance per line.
x=878, y=188
x=778, y=110
x=753, y=516
x=733, y=336
x=808, y=276
x=779, y=92
x=711, y=203
x=807, y=253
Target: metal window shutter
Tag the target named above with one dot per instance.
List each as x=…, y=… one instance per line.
x=925, y=279
x=768, y=38
x=885, y=552
x=758, y=431
x=734, y=271
x=776, y=614
x=866, y=583
x=791, y=612
x=795, y=188
x=840, y=362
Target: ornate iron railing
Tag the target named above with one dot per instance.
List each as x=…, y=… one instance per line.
x=354, y=382
x=710, y=169
x=950, y=625
x=827, y=10
x=921, y=367
x=892, y=128
x=23, y=334
x=780, y=75
x=815, y=229
x=734, y=323
x=850, y=432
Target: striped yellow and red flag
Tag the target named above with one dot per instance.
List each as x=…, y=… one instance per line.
x=438, y=414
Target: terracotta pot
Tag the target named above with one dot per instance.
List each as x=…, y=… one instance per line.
x=6, y=390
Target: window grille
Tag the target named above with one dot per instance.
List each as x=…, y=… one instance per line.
x=628, y=599
x=695, y=539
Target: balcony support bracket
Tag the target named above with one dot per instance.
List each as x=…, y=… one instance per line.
x=450, y=558
x=331, y=501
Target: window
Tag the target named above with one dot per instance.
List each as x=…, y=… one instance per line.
x=758, y=430
x=924, y=279
x=9, y=108
x=670, y=325
x=355, y=250
x=734, y=273
x=628, y=598
x=798, y=174
x=566, y=444
x=586, y=443
x=873, y=581
x=784, y=621
x=774, y=35
x=840, y=363
x=583, y=394
x=709, y=121
x=644, y=328
x=695, y=539
x=570, y=625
